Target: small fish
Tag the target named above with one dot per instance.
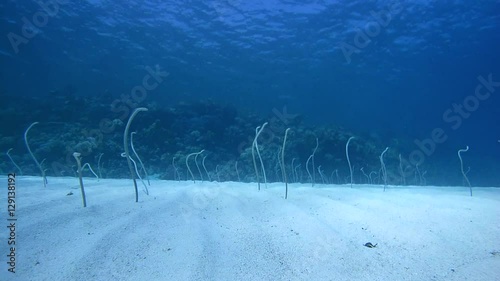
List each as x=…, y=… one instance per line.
x=370, y=245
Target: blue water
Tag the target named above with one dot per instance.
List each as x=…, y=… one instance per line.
x=385, y=70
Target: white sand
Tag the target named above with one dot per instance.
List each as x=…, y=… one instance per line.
x=230, y=231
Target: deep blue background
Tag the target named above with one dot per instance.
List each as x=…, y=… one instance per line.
x=265, y=54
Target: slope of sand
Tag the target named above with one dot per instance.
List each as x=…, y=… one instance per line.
x=230, y=231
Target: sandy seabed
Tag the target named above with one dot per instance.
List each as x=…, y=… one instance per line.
x=231, y=231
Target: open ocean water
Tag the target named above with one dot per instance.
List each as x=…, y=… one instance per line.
x=419, y=77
